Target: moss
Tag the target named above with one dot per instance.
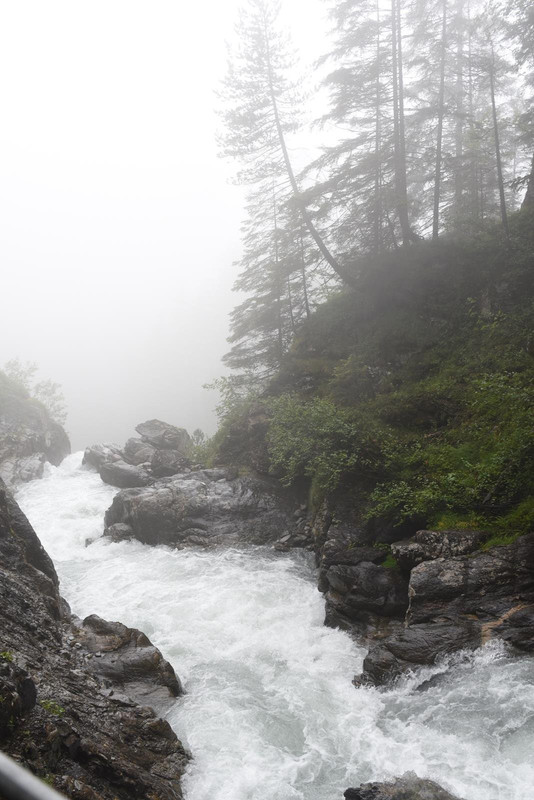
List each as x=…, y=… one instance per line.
x=52, y=707
x=7, y=655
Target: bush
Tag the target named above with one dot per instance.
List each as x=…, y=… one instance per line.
x=318, y=440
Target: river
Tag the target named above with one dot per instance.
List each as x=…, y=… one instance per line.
x=270, y=712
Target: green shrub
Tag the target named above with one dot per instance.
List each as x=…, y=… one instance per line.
x=318, y=440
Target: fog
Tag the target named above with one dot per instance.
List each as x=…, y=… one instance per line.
x=119, y=222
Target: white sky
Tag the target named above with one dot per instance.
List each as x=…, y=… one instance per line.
x=118, y=226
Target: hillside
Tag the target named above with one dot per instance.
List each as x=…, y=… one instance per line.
x=412, y=393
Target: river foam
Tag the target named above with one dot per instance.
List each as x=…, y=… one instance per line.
x=270, y=712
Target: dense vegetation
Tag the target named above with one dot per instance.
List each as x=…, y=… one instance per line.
x=391, y=356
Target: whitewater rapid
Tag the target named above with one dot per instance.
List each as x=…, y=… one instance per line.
x=270, y=712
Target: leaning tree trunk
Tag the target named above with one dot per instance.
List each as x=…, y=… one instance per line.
x=344, y=274
x=528, y=201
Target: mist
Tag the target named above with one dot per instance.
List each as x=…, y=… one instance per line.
x=120, y=222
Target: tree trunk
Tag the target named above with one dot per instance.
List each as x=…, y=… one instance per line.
x=439, y=143
x=401, y=193
x=459, y=128
x=528, y=201
x=345, y=276
x=498, y=160
x=378, y=137
x=303, y=271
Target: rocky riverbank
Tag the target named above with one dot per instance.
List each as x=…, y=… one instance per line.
x=78, y=696
x=413, y=601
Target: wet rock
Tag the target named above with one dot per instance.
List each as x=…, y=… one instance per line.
x=123, y=475
x=408, y=787
x=420, y=645
x=164, y=436
x=136, y=451
x=462, y=602
x=119, y=532
x=364, y=591
x=165, y=463
x=128, y=658
x=429, y=545
x=99, y=454
x=204, y=509
x=69, y=715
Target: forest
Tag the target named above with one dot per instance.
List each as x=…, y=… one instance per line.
x=429, y=135
x=386, y=329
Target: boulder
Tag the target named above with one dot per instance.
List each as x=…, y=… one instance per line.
x=123, y=475
x=119, y=532
x=164, y=436
x=408, y=787
x=204, y=508
x=99, y=454
x=165, y=463
x=128, y=658
x=136, y=451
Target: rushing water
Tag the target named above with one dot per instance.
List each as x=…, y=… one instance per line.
x=270, y=712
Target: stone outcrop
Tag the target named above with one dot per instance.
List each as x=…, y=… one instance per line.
x=29, y=437
x=76, y=695
x=204, y=508
x=407, y=787
x=162, y=451
x=423, y=597
x=163, y=436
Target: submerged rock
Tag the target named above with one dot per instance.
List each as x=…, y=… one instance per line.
x=407, y=787
x=204, y=508
x=70, y=712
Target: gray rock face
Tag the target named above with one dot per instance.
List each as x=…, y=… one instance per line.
x=128, y=658
x=459, y=602
x=203, y=509
x=136, y=451
x=365, y=588
x=70, y=688
x=165, y=463
x=28, y=436
x=164, y=436
x=123, y=475
x=408, y=787
x=428, y=545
